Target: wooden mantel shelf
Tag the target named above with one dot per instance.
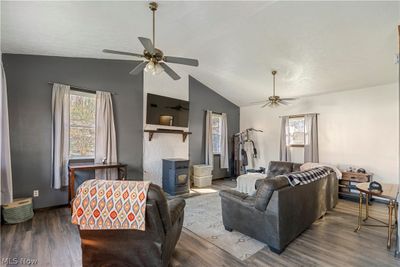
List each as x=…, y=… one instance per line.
x=167, y=131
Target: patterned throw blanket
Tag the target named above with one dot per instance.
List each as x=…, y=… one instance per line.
x=109, y=205
x=305, y=177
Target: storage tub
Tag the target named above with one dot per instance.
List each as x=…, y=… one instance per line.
x=202, y=181
x=19, y=210
x=202, y=170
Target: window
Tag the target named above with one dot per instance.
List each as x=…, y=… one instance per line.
x=216, y=133
x=82, y=125
x=296, y=131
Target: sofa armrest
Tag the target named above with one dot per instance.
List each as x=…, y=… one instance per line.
x=176, y=207
x=259, y=182
x=237, y=197
x=267, y=188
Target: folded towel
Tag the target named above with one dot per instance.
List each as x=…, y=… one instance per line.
x=246, y=183
x=107, y=205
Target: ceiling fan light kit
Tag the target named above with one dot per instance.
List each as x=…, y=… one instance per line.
x=155, y=61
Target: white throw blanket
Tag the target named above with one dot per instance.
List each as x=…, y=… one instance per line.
x=311, y=165
x=246, y=183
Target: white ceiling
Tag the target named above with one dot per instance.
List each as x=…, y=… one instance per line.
x=317, y=47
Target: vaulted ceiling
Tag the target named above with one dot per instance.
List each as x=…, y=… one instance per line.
x=317, y=47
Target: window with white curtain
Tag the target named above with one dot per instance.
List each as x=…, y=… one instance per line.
x=82, y=136
x=216, y=133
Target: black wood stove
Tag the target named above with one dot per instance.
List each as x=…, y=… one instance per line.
x=175, y=176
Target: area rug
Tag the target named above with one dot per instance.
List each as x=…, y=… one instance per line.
x=203, y=217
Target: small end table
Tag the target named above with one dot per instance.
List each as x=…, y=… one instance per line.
x=389, y=193
x=122, y=173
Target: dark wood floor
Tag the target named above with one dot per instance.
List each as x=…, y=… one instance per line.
x=331, y=241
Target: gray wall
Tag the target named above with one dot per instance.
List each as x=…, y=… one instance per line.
x=202, y=98
x=29, y=101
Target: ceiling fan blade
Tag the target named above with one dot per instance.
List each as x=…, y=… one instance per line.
x=109, y=51
x=283, y=102
x=182, y=60
x=147, y=44
x=139, y=68
x=170, y=71
x=258, y=102
x=266, y=104
x=289, y=99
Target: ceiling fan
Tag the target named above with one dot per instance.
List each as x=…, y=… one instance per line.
x=155, y=61
x=274, y=100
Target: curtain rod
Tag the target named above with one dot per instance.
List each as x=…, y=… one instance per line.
x=219, y=113
x=299, y=115
x=83, y=89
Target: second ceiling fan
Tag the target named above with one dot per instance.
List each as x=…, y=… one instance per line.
x=274, y=100
x=155, y=61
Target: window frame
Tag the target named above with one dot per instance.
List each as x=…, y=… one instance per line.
x=84, y=94
x=304, y=132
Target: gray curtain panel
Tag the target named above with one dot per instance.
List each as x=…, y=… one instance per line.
x=284, y=152
x=6, y=174
x=106, y=141
x=60, y=135
x=209, y=153
x=311, y=138
x=224, y=143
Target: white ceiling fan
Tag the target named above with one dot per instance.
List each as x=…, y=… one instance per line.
x=155, y=61
x=274, y=100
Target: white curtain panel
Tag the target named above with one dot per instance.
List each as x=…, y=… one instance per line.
x=6, y=174
x=106, y=141
x=224, y=143
x=284, y=152
x=311, y=138
x=60, y=135
x=209, y=154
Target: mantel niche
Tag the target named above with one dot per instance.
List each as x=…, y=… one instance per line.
x=167, y=131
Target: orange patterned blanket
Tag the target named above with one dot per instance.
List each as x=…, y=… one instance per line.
x=110, y=205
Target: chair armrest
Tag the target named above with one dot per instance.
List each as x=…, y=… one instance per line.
x=176, y=207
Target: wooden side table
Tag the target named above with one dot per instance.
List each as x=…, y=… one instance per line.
x=122, y=173
x=389, y=193
x=349, y=181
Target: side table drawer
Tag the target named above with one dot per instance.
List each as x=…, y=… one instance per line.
x=356, y=177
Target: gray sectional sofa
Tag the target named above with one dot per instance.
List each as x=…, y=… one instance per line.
x=278, y=213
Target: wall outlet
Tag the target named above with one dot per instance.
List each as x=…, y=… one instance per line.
x=35, y=193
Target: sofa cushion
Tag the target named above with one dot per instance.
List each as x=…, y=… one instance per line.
x=267, y=188
x=276, y=168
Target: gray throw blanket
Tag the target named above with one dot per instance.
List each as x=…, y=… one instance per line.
x=305, y=177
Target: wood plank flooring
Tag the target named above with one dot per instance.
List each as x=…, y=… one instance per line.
x=330, y=241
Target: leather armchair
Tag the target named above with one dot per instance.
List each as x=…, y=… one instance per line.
x=153, y=247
